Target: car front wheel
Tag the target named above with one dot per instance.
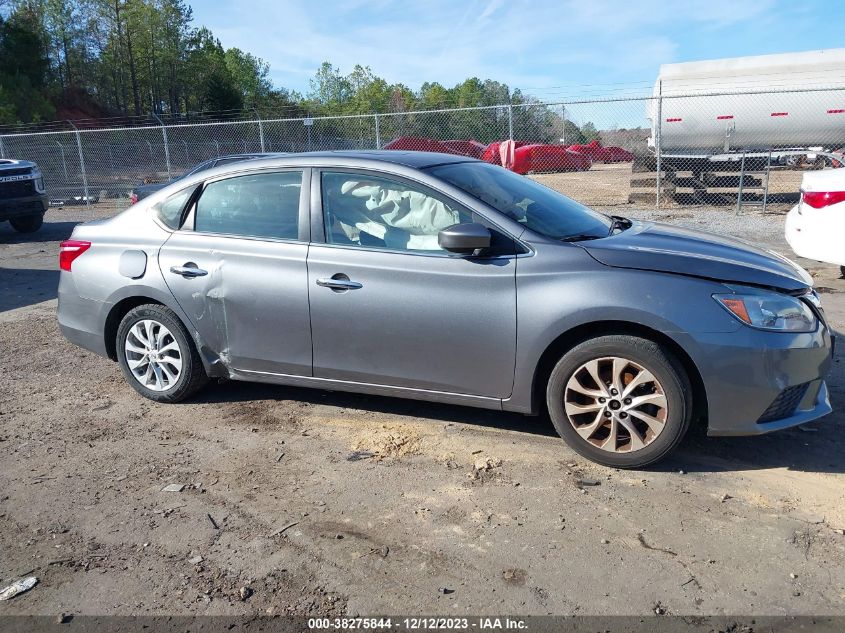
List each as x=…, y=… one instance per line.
x=157, y=356
x=27, y=223
x=621, y=401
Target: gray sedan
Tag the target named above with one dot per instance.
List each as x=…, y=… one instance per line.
x=443, y=278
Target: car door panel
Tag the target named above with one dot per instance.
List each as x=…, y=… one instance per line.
x=247, y=296
x=427, y=322
x=251, y=308
x=412, y=318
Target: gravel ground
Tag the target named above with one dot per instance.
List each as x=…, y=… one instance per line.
x=749, y=225
x=310, y=502
x=608, y=186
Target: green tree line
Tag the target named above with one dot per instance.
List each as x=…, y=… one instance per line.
x=121, y=58
x=124, y=58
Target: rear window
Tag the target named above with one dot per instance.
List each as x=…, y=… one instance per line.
x=170, y=211
x=253, y=205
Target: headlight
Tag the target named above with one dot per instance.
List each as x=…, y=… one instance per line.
x=38, y=180
x=770, y=311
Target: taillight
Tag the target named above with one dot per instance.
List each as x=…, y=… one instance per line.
x=133, y=198
x=819, y=199
x=69, y=250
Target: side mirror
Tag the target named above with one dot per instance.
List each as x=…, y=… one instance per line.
x=464, y=238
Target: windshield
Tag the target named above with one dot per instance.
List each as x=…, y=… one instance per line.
x=537, y=207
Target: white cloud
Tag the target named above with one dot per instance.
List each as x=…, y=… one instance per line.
x=520, y=42
x=490, y=9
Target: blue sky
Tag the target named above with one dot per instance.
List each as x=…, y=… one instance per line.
x=551, y=49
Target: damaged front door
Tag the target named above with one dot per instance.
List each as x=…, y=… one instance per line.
x=238, y=270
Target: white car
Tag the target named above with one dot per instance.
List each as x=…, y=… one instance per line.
x=815, y=227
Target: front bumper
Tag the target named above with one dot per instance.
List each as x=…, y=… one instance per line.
x=814, y=406
x=17, y=207
x=748, y=374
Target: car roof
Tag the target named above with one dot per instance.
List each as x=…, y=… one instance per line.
x=247, y=156
x=209, y=163
x=400, y=161
x=233, y=157
x=418, y=160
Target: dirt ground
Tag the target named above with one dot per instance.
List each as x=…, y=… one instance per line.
x=608, y=186
x=309, y=502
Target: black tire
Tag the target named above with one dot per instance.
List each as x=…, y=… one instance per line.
x=669, y=373
x=192, y=377
x=27, y=223
x=842, y=271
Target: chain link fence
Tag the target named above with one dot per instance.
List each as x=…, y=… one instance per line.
x=663, y=150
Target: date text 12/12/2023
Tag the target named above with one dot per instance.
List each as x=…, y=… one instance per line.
x=418, y=624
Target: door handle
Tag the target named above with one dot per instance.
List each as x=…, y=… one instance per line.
x=339, y=284
x=188, y=271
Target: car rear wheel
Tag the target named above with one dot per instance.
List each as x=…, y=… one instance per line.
x=27, y=223
x=621, y=401
x=842, y=271
x=157, y=356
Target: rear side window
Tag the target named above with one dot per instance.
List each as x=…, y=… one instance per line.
x=254, y=205
x=170, y=211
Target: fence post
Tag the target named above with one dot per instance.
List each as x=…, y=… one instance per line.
x=166, y=148
x=111, y=160
x=510, y=121
x=64, y=162
x=308, y=122
x=563, y=116
x=658, y=133
x=741, y=183
x=81, y=164
x=260, y=129
x=378, y=133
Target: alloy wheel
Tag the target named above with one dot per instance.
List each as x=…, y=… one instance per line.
x=153, y=355
x=616, y=404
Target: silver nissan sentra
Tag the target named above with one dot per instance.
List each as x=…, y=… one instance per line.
x=443, y=278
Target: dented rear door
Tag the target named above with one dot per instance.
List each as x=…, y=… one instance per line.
x=246, y=296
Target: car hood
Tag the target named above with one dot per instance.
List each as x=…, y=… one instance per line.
x=8, y=164
x=672, y=249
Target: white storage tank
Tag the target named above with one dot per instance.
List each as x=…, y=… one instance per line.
x=798, y=111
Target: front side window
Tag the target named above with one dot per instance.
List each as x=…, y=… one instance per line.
x=254, y=205
x=364, y=210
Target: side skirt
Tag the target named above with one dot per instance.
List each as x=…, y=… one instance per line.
x=329, y=384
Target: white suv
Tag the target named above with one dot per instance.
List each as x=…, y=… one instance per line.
x=815, y=227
